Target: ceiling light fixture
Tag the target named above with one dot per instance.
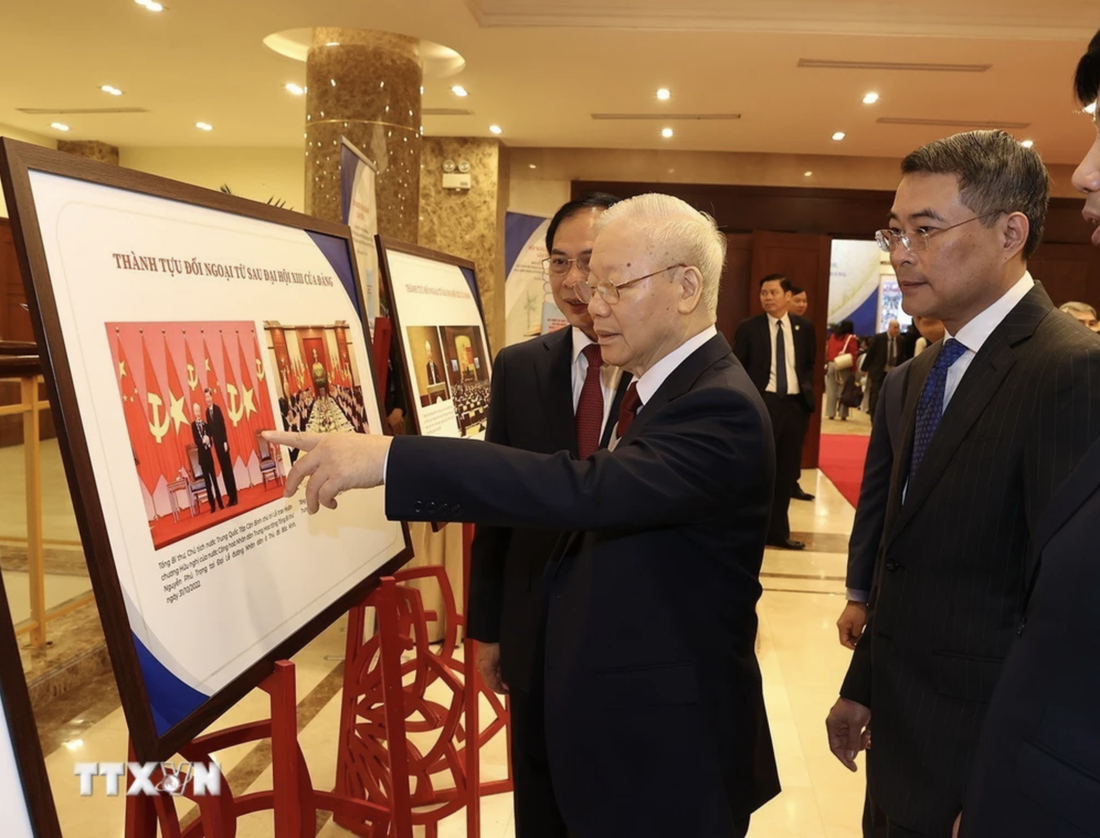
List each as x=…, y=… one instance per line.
x=666, y=133
x=663, y=94
x=108, y=88
x=333, y=44
x=839, y=135
x=1090, y=109
x=1028, y=143
x=459, y=90
x=204, y=126
x=532, y=166
x=296, y=89
x=151, y=5
x=807, y=174
x=496, y=129
x=870, y=98
x=59, y=126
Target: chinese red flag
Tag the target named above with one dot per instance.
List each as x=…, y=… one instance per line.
x=158, y=406
x=136, y=424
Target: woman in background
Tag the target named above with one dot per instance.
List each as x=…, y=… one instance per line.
x=841, y=353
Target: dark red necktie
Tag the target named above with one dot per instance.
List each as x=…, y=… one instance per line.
x=628, y=409
x=589, y=416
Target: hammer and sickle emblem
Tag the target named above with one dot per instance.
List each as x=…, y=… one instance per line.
x=192, y=378
x=259, y=369
x=236, y=410
x=156, y=427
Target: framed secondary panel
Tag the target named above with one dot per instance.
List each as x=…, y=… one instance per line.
x=26, y=803
x=445, y=359
x=176, y=324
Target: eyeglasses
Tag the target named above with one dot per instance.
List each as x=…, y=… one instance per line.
x=559, y=265
x=888, y=240
x=609, y=290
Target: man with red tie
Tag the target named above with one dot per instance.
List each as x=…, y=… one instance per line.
x=551, y=393
x=654, y=711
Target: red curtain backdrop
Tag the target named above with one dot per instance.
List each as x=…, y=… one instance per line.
x=345, y=364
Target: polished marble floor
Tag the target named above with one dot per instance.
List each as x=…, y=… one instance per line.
x=801, y=661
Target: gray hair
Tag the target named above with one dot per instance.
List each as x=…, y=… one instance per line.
x=676, y=232
x=996, y=174
x=1080, y=308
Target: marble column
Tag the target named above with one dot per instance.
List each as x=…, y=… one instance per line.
x=365, y=86
x=92, y=149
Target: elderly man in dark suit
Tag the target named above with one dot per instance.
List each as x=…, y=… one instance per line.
x=778, y=350
x=204, y=446
x=655, y=718
x=885, y=351
x=552, y=393
x=215, y=423
x=996, y=414
x=1037, y=772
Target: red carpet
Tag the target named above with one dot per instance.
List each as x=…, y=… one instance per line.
x=165, y=531
x=841, y=460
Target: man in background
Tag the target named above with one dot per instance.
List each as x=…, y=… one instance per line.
x=778, y=350
x=1037, y=771
x=996, y=415
x=551, y=393
x=215, y=421
x=883, y=354
x=1082, y=313
x=799, y=303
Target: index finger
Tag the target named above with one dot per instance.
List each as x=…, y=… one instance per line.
x=299, y=440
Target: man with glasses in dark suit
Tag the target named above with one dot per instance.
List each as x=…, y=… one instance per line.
x=995, y=416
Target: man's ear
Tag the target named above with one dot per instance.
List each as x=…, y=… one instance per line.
x=691, y=290
x=1016, y=230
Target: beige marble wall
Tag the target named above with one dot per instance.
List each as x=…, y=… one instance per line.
x=92, y=149
x=364, y=86
x=469, y=223
x=541, y=177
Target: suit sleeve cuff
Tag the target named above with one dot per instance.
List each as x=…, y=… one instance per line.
x=386, y=467
x=856, y=595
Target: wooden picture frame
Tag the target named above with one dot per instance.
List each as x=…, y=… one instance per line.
x=17, y=715
x=17, y=162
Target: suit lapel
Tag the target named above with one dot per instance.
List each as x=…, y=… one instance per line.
x=554, y=374
x=972, y=395
x=613, y=417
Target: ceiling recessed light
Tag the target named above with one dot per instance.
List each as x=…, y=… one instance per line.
x=1028, y=143
x=333, y=44
x=870, y=98
x=1091, y=108
x=496, y=129
x=459, y=90
x=807, y=174
x=663, y=94
x=204, y=126
x=108, y=88
x=532, y=166
x=296, y=89
x=839, y=135
x=151, y=5
x=666, y=133
x=59, y=126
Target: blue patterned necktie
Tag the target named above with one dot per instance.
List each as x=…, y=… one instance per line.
x=930, y=406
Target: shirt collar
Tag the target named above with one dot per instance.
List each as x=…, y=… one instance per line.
x=655, y=376
x=580, y=341
x=786, y=318
x=975, y=333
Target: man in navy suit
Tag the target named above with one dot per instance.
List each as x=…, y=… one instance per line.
x=551, y=393
x=655, y=718
x=1037, y=771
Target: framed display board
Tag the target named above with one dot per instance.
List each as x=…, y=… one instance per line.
x=359, y=210
x=175, y=324
x=26, y=803
x=445, y=358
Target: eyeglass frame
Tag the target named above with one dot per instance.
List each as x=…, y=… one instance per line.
x=882, y=237
x=584, y=269
x=607, y=288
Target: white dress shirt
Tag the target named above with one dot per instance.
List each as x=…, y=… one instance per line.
x=655, y=376
x=975, y=333
x=788, y=351
x=609, y=377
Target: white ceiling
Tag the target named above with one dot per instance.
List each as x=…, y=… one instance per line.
x=540, y=69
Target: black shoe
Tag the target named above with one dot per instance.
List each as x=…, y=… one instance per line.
x=788, y=544
x=221, y=504
x=232, y=503
x=213, y=509
x=798, y=494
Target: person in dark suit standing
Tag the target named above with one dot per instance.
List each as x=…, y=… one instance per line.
x=1037, y=770
x=215, y=421
x=783, y=372
x=551, y=393
x=431, y=367
x=800, y=302
x=996, y=415
x=885, y=352
x=655, y=720
x=200, y=433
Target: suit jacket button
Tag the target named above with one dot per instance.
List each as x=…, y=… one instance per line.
x=892, y=565
x=418, y=507
x=444, y=508
x=430, y=507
